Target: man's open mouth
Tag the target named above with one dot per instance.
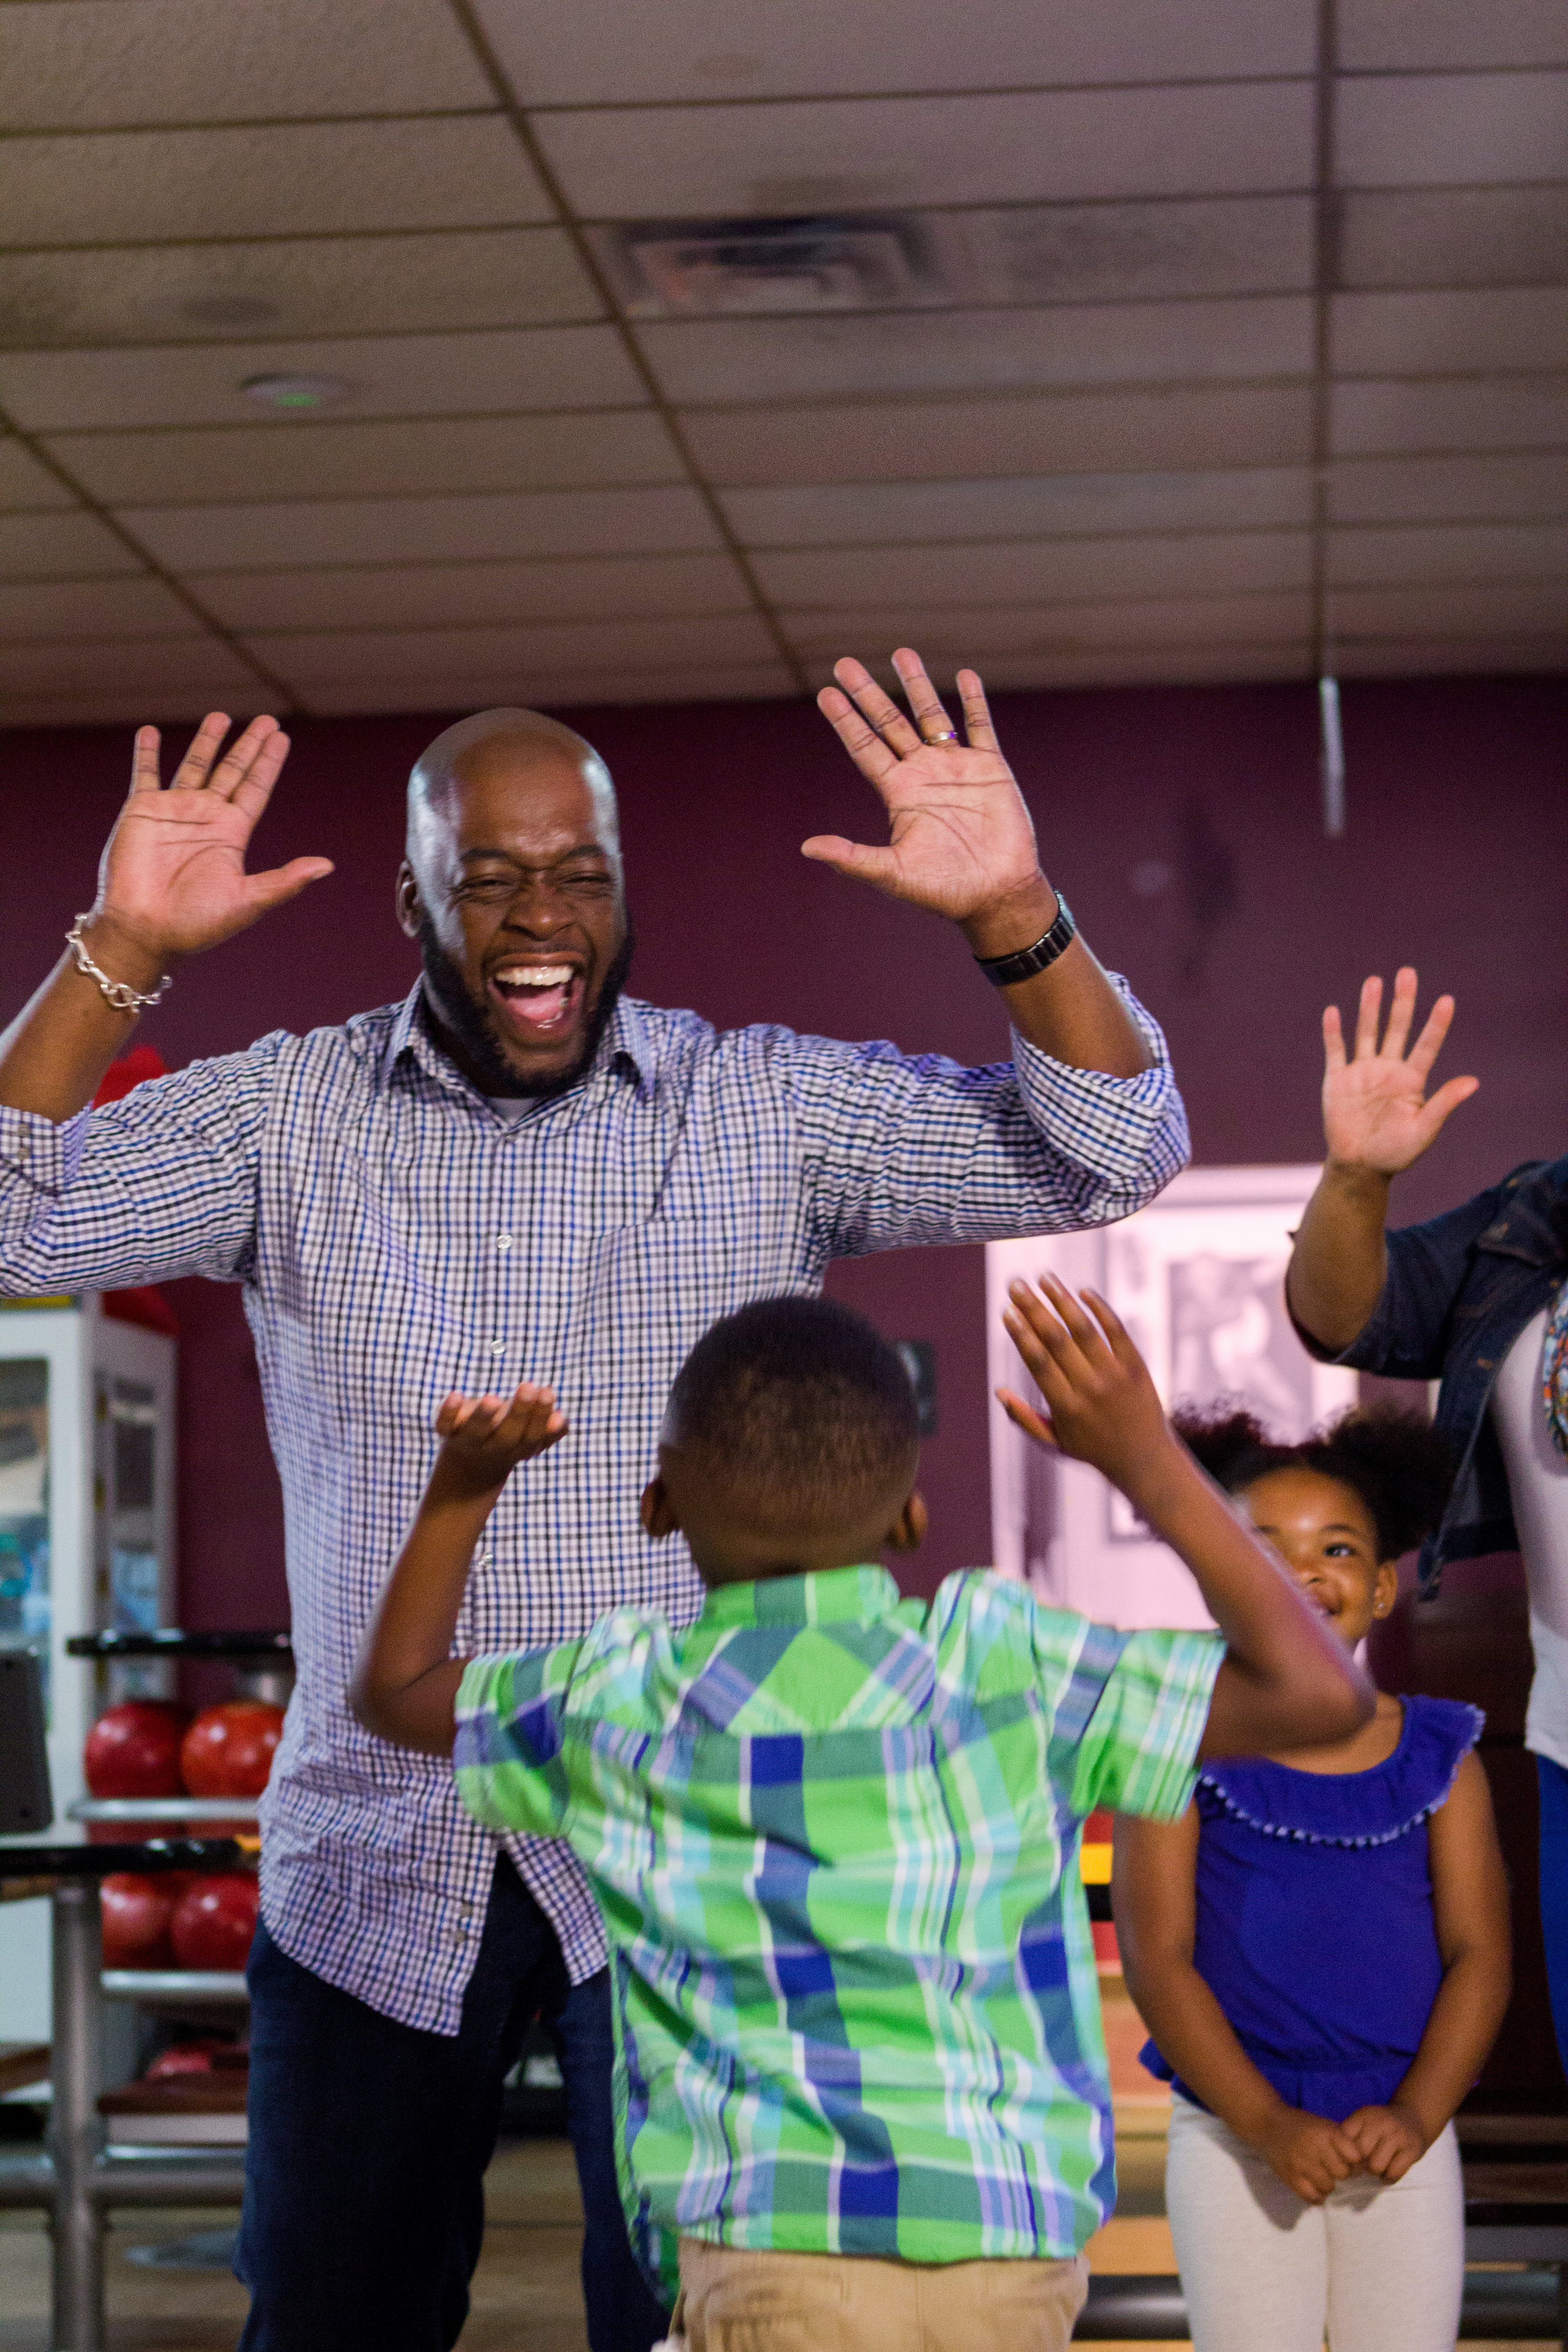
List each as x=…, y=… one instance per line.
x=537, y=1001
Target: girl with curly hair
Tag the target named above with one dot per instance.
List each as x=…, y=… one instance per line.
x=1320, y=1949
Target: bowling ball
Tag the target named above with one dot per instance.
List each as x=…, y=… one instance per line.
x=138, y=1906
x=214, y=1920
x=205, y=2057
x=228, y=1751
x=133, y=1749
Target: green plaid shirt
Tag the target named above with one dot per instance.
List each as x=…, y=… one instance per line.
x=835, y=1836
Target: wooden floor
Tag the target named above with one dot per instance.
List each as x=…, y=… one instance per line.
x=526, y=2293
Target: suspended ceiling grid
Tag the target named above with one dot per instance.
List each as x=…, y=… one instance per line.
x=1253, y=354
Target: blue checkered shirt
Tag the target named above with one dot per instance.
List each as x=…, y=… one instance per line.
x=398, y=1236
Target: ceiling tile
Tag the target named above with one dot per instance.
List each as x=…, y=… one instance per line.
x=387, y=375
x=293, y=286
x=58, y=609
x=559, y=645
x=127, y=705
x=1455, y=237
x=308, y=459
x=559, y=689
x=149, y=664
x=1174, y=140
x=415, y=596
x=1447, y=334
x=60, y=546
x=24, y=482
x=598, y=52
x=1450, y=413
x=1450, y=551
x=1529, y=484
x=1073, y=431
x=1448, y=658
x=1018, y=572
x=1188, y=665
x=875, y=514
x=960, y=351
x=1170, y=247
x=267, y=179
x=1402, y=35
x=1406, y=130
x=83, y=63
x=945, y=638
x=422, y=530
x=1522, y=608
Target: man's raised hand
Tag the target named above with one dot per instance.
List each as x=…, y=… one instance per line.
x=484, y=1438
x=172, y=880
x=1376, y=1115
x=962, y=843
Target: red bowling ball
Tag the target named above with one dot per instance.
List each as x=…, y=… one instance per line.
x=138, y=1908
x=133, y=1750
x=215, y=1921
x=228, y=1750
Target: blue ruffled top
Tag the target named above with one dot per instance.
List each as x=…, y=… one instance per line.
x=1315, y=1929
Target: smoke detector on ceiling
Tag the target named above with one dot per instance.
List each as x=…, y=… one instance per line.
x=820, y=261
x=296, y=393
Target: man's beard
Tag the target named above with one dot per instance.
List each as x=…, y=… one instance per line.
x=471, y=1029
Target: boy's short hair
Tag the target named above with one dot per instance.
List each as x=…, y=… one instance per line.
x=800, y=1410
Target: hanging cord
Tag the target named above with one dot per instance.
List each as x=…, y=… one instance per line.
x=1331, y=753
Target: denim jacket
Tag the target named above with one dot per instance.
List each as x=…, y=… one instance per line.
x=1460, y=1289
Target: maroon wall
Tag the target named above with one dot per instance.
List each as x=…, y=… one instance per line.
x=1455, y=858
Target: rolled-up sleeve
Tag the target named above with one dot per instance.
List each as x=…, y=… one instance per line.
x=161, y=1184
x=901, y=1150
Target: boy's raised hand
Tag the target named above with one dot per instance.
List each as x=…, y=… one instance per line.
x=1104, y=1408
x=484, y=1438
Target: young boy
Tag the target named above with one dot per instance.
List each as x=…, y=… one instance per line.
x=860, y=2069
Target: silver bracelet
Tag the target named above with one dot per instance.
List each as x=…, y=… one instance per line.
x=120, y=995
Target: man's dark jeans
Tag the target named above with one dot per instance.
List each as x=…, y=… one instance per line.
x=363, y=2197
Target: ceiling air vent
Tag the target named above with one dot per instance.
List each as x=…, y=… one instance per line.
x=810, y=262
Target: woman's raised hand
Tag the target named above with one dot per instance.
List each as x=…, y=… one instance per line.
x=1376, y=1114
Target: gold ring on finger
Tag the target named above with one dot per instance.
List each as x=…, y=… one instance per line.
x=948, y=735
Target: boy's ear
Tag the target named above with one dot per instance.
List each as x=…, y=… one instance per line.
x=1385, y=1590
x=657, y=1511
x=908, y=1531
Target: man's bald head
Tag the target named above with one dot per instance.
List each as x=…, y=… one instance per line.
x=511, y=885
x=490, y=744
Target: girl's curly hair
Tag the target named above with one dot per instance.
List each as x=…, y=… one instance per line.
x=1394, y=1461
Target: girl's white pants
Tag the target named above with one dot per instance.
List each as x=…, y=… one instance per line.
x=1380, y=2269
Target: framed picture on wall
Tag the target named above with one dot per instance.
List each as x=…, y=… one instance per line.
x=1198, y=1278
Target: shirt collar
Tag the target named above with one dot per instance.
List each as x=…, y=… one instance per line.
x=824, y=1596
x=628, y=1041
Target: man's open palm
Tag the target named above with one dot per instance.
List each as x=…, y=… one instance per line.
x=961, y=835
x=172, y=872
x=1376, y=1114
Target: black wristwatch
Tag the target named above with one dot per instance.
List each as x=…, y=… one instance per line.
x=1003, y=972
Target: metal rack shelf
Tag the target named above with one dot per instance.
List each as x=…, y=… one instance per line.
x=205, y=1987
x=170, y=1642
x=164, y=1808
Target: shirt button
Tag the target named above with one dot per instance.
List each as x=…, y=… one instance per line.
x=498, y=1347
x=503, y=1241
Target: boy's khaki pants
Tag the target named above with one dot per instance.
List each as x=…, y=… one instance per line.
x=733, y=2300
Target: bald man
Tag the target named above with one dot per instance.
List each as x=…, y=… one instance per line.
x=518, y=1171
